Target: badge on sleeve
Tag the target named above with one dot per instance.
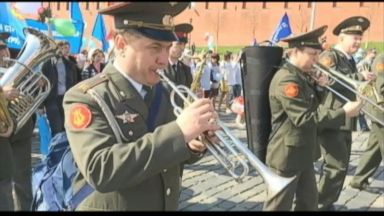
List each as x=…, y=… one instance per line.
x=380, y=68
x=79, y=116
x=291, y=90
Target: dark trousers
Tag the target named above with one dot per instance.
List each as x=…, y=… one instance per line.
x=335, y=148
x=236, y=90
x=55, y=114
x=371, y=158
x=15, y=170
x=362, y=122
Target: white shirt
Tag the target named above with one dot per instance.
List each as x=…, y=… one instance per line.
x=237, y=72
x=205, y=80
x=138, y=86
x=228, y=72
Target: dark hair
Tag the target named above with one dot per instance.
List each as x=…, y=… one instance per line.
x=95, y=53
x=62, y=43
x=84, y=51
x=215, y=56
x=227, y=55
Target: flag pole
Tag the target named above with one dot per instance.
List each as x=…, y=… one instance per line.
x=313, y=14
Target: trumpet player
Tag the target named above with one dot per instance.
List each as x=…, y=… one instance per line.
x=15, y=153
x=295, y=116
x=371, y=158
x=335, y=139
x=143, y=171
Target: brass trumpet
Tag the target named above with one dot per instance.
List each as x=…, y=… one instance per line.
x=234, y=160
x=363, y=89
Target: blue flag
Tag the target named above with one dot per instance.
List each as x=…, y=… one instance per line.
x=12, y=24
x=283, y=30
x=77, y=17
x=99, y=32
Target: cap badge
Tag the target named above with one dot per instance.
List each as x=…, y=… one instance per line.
x=167, y=20
x=360, y=20
x=127, y=117
x=173, y=3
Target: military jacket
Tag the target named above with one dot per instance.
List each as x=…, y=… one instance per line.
x=378, y=86
x=143, y=172
x=338, y=61
x=295, y=115
x=182, y=76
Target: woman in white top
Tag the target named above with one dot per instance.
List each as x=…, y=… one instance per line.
x=226, y=82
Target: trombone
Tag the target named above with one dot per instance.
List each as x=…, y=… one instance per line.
x=363, y=89
x=233, y=161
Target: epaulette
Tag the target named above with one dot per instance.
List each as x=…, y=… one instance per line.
x=90, y=83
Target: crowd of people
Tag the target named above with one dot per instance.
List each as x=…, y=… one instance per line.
x=132, y=147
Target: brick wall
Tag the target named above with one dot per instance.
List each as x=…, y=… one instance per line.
x=240, y=22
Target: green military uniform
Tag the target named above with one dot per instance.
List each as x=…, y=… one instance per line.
x=335, y=140
x=371, y=158
x=179, y=73
x=295, y=114
x=179, y=77
x=144, y=171
x=15, y=168
x=15, y=164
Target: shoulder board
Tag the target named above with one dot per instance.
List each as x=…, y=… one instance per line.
x=92, y=82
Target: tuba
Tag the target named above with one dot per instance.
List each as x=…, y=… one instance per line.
x=24, y=76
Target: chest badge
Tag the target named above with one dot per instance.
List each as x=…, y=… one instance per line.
x=127, y=117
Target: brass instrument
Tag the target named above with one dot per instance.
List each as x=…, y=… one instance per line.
x=32, y=85
x=232, y=161
x=196, y=85
x=364, y=89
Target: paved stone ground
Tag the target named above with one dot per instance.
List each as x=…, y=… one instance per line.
x=207, y=186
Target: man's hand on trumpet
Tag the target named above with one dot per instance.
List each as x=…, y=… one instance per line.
x=352, y=108
x=368, y=75
x=196, y=119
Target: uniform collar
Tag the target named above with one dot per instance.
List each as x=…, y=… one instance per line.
x=297, y=70
x=172, y=63
x=138, y=86
x=338, y=48
x=129, y=95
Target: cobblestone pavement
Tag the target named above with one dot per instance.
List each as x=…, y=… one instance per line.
x=207, y=186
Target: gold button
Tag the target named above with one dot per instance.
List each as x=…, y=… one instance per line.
x=164, y=170
x=122, y=93
x=130, y=133
x=168, y=191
